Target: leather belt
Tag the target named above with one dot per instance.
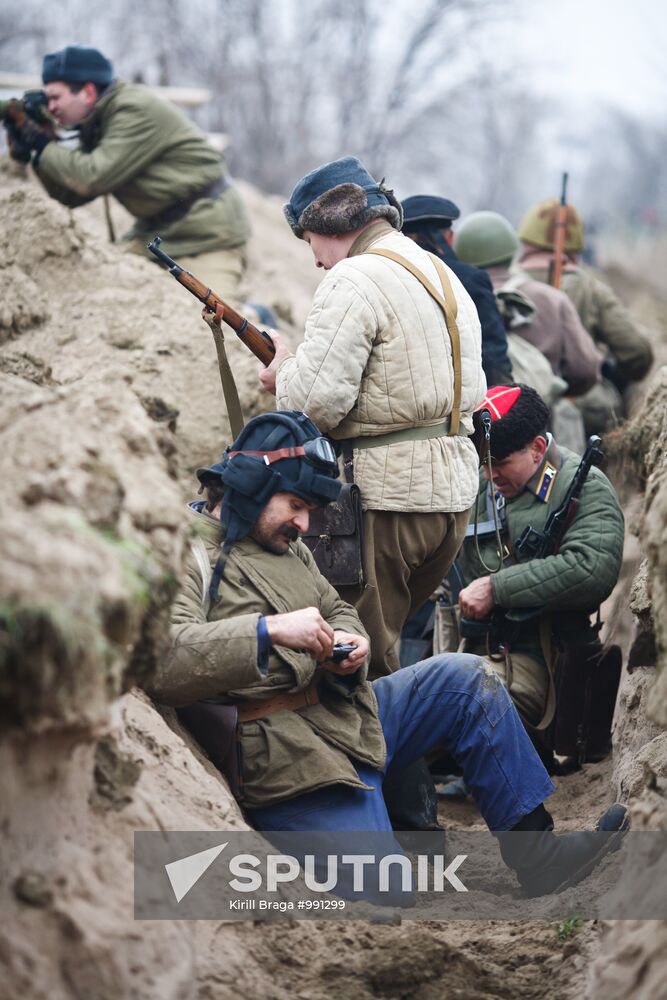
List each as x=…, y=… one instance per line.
x=181, y=208
x=251, y=710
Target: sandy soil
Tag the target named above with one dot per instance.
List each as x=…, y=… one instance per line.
x=109, y=376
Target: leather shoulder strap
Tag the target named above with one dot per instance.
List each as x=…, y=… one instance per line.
x=449, y=311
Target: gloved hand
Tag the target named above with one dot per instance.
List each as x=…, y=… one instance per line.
x=18, y=150
x=31, y=137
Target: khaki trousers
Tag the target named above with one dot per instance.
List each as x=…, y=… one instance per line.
x=528, y=684
x=407, y=556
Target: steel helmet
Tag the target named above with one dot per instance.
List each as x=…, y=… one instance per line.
x=538, y=226
x=485, y=239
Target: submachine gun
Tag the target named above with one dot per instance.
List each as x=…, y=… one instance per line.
x=533, y=544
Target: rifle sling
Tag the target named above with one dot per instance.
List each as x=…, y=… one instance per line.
x=230, y=392
x=450, y=319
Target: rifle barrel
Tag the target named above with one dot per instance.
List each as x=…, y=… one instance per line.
x=258, y=341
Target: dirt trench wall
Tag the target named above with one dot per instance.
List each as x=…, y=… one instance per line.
x=98, y=352
x=630, y=959
x=76, y=309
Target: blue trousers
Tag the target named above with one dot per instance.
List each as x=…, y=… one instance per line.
x=454, y=701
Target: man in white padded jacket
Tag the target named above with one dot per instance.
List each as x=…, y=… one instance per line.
x=376, y=368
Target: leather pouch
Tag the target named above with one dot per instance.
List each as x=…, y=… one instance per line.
x=335, y=538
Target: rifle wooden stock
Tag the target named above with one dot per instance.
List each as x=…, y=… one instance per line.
x=256, y=340
x=556, y=269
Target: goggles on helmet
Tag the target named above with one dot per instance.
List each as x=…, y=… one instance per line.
x=317, y=451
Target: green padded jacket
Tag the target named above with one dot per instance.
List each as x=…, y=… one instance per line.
x=145, y=152
x=583, y=572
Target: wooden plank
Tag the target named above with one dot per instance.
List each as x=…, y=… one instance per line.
x=185, y=97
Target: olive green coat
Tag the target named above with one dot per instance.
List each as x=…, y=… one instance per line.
x=145, y=152
x=215, y=653
x=607, y=320
x=584, y=571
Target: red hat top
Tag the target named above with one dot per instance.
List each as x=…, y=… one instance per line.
x=499, y=400
x=518, y=414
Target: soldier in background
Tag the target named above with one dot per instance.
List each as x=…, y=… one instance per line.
x=540, y=314
x=145, y=152
x=627, y=349
x=427, y=220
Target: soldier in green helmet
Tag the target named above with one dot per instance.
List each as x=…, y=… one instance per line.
x=628, y=354
x=542, y=315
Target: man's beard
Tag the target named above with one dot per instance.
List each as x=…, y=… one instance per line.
x=276, y=541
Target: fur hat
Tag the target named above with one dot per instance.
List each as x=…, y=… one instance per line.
x=340, y=197
x=77, y=64
x=518, y=414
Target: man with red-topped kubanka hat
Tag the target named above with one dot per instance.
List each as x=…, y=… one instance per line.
x=538, y=605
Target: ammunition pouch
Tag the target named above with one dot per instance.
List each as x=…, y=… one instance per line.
x=474, y=628
x=335, y=533
x=446, y=628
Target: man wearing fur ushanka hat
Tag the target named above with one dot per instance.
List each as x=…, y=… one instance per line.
x=391, y=363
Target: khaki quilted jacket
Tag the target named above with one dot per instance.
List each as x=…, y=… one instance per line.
x=214, y=652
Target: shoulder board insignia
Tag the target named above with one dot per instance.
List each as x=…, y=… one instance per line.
x=546, y=482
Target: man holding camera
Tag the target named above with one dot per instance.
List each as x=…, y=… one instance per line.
x=144, y=151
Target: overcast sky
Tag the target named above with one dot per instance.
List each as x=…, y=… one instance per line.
x=611, y=51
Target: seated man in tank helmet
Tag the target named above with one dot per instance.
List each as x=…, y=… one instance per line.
x=427, y=220
x=255, y=626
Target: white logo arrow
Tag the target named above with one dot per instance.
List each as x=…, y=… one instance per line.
x=183, y=874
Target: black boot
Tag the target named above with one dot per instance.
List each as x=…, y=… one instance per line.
x=410, y=798
x=546, y=863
